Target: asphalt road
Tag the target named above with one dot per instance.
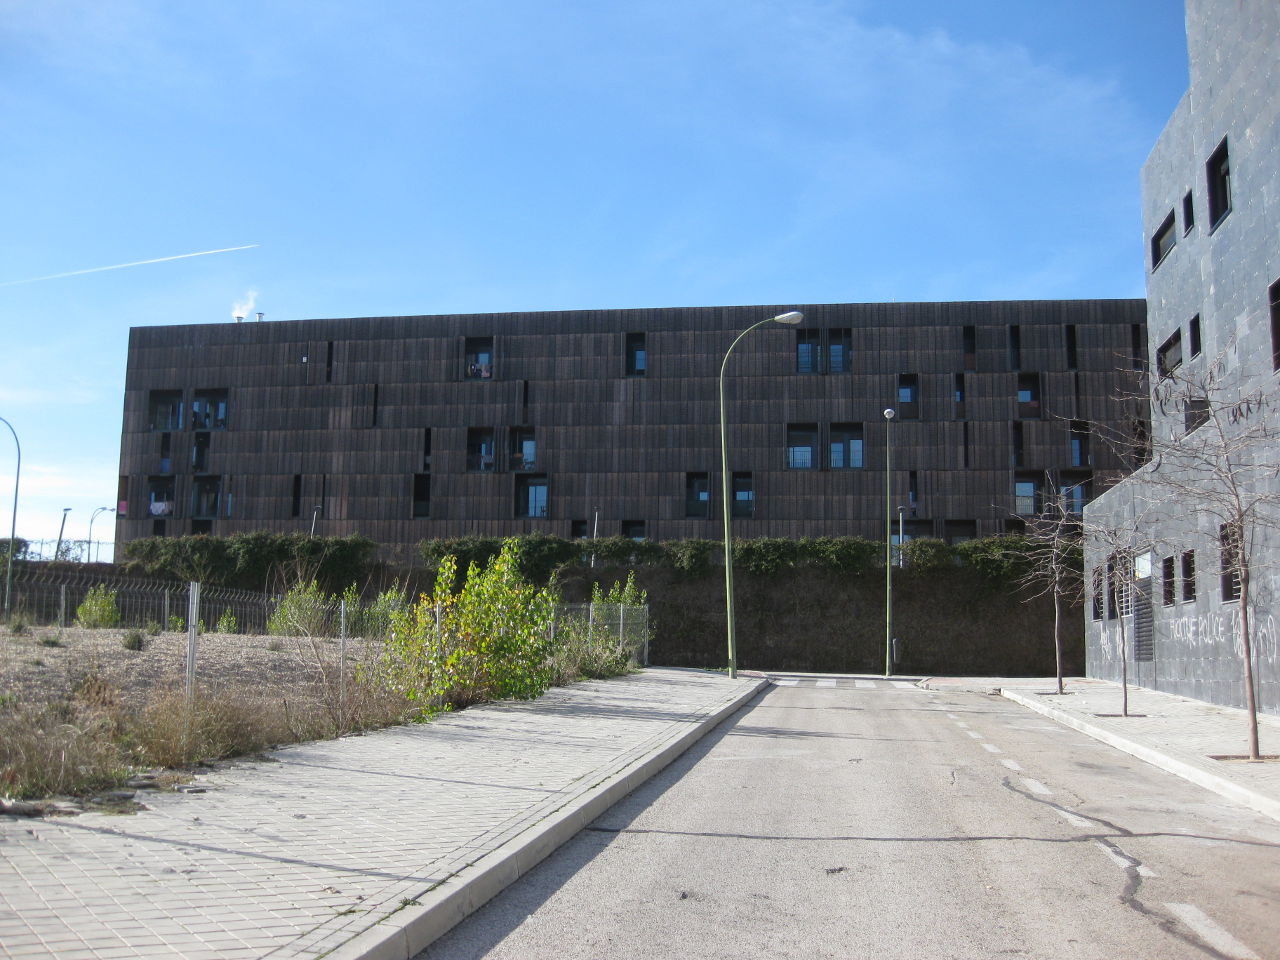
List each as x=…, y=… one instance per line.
x=861, y=819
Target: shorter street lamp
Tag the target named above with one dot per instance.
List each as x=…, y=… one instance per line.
x=58, y=548
x=94, y=516
x=315, y=512
x=791, y=317
x=13, y=522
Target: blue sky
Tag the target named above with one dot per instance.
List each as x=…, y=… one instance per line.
x=421, y=157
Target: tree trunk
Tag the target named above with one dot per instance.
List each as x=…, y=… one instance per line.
x=1057, y=636
x=1250, y=698
x=1124, y=669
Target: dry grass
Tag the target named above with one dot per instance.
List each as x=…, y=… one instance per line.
x=79, y=711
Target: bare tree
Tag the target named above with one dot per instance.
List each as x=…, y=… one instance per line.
x=1216, y=450
x=1054, y=558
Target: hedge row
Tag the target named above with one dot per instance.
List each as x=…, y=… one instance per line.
x=1002, y=558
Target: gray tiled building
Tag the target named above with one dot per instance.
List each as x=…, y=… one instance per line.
x=1211, y=214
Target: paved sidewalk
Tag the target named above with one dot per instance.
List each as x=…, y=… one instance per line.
x=367, y=846
x=1176, y=734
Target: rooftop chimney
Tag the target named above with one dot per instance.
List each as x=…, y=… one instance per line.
x=259, y=316
x=239, y=319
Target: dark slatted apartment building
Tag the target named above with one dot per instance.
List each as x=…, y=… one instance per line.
x=405, y=428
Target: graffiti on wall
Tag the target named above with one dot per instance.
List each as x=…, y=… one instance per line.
x=1204, y=635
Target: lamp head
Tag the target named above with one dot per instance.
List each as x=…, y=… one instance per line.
x=791, y=316
x=888, y=414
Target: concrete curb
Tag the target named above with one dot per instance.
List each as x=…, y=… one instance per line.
x=408, y=931
x=1187, y=769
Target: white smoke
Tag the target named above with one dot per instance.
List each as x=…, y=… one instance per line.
x=242, y=308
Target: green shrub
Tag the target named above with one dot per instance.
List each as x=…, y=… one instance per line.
x=227, y=622
x=489, y=640
x=765, y=555
x=176, y=623
x=18, y=625
x=50, y=641
x=98, y=610
x=692, y=557
x=302, y=612
x=151, y=628
x=926, y=553
x=132, y=640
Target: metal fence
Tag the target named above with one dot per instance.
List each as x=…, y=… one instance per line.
x=629, y=624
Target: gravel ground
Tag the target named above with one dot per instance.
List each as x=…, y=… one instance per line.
x=47, y=664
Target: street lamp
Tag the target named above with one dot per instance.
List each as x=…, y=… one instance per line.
x=13, y=522
x=89, y=550
x=315, y=511
x=791, y=317
x=902, y=557
x=888, y=544
x=58, y=548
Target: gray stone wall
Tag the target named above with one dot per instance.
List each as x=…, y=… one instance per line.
x=1219, y=273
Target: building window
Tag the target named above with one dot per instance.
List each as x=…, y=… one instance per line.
x=1163, y=240
x=913, y=491
x=478, y=358
x=524, y=449
x=1080, y=454
x=1193, y=335
x=1074, y=494
x=1218, y=174
x=122, y=498
x=209, y=410
x=200, y=453
x=633, y=529
x=1138, y=346
x=959, y=396
x=205, y=492
x=809, y=351
x=1073, y=354
x=802, y=446
x=1188, y=213
x=1125, y=576
x=295, y=500
x=840, y=350
x=1015, y=347
x=164, y=410
x=480, y=458
x=908, y=396
x=166, y=453
x=1231, y=544
x=846, y=446
x=1097, y=595
x=697, y=495
x=637, y=358
x=1168, y=582
x=1274, y=297
x=1112, y=583
x=531, y=495
x=1188, y=575
x=1195, y=413
x=744, y=498
x=1169, y=356
x=421, y=495
x=160, y=500
x=969, y=347
x=1027, y=490
x=959, y=531
x=1029, y=396
x=578, y=530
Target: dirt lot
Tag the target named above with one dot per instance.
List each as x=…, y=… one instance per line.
x=48, y=664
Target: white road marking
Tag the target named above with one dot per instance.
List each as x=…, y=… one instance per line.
x=959, y=723
x=825, y=683
x=786, y=683
x=1012, y=764
x=904, y=685
x=1210, y=932
x=991, y=747
x=1072, y=819
x=1035, y=786
x=865, y=684
x=976, y=736
x=1122, y=863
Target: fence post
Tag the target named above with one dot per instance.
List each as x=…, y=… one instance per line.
x=622, y=620
x=62, y=605
x=193, y=618
x=591, y=622
x=342, y=663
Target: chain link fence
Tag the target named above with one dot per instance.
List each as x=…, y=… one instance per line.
x=629, y=624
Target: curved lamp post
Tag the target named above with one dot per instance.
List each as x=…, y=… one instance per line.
x=13, y=522
x=57, y=550
x=88, y=553
x=791, y=317
x=888, y=544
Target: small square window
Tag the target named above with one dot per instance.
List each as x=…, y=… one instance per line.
x=633, y=529
x=1230, y=543
x=637, y=357
x=1169, y=356
x=908, y=396
x=421, y=495
x=531, y=495
x=802, y=446
x=1195, y=413
x=1193, y=335
x=1168, y=582
x=1188, y=213
x=744, y=498
x=478, y=358
x=846, y=446
x=1188, y=575
x=697, y=495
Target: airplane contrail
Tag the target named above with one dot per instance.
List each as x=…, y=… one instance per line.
x=121, y=266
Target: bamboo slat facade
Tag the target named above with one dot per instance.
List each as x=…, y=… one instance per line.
x=406, y=428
